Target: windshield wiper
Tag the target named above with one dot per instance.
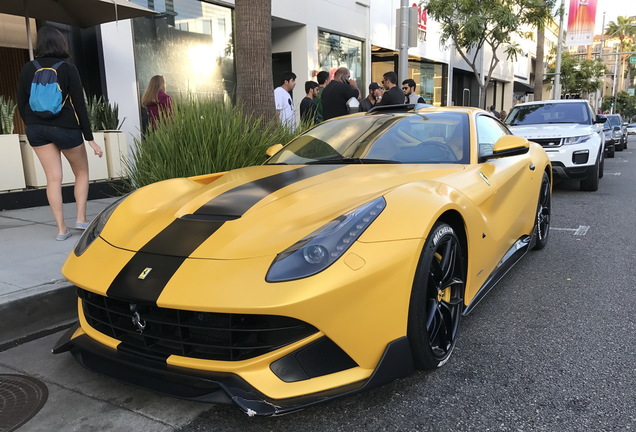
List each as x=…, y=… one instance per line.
x=361, y=161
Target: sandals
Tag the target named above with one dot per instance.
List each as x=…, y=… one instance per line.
x=62, y=237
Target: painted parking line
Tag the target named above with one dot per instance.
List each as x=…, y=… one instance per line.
x=611, y=173
x=580, y=231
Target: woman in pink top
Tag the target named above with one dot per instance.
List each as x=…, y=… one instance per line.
x=155, y=99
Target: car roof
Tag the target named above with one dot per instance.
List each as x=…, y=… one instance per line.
x=552, y=101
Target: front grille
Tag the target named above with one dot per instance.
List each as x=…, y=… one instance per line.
x=547, y=142
x=203, y=335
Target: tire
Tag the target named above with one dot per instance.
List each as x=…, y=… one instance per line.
x=542, y=220
x=601, y=170
x=437, y=298
x=590, y=183
x=619, y=147
x=610, y=154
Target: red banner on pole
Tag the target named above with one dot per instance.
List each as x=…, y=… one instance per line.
x=581, y=22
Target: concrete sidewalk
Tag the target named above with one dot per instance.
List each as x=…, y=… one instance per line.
x=34, y=296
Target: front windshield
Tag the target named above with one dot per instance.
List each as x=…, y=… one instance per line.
x=440, y=137
x=549, y=113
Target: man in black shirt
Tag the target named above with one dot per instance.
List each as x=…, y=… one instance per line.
x=392, y=95
x=337, y=93
x=375, y=94
x=308, y=108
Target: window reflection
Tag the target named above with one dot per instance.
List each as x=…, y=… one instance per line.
x=190, y=44
x=335, y=51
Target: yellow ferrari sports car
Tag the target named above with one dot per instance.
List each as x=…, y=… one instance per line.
x=343, y=262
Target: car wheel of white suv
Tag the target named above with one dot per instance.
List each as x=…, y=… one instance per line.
x=590, y=183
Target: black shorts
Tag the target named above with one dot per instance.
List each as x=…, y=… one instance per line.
x=64, y=138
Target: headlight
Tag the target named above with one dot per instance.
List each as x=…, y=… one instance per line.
x=324, y=246
x=95, y=227
x=576, y=140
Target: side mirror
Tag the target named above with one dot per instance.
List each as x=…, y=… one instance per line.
x=509, y=145
x=617, y=128
x=600, y=119
x=271, y=151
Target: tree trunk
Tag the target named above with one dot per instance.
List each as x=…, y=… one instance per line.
x=253, y=51
x=538, y=71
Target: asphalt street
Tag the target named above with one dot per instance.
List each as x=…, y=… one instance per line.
x=551, y=348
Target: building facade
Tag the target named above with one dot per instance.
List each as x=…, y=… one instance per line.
x=190, y=43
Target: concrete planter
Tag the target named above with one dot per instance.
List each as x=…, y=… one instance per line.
x=116, y=150
x=11, y=172
x=34, y=173
x=97, y=167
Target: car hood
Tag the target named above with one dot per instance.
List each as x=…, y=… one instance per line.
x=561, y=130
x=253, y=211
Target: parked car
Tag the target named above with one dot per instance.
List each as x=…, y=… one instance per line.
x=631, y=128
x=342, y=263
x=571, y=134
x=610, y=139
x=615, y=120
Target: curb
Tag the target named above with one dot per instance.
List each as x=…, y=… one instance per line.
x=27, y=316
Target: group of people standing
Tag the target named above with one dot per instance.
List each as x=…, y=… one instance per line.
x=328, y=98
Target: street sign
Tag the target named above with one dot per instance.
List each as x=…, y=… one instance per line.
x=632, y=59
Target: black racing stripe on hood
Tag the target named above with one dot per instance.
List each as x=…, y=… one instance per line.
x=184, y=236
x=237, y=201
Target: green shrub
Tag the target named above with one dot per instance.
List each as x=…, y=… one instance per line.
x=202, y=137
x=7, y=110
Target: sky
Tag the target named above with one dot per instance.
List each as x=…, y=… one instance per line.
x=612, y=9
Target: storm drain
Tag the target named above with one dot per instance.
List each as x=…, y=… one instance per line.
x=21, y=397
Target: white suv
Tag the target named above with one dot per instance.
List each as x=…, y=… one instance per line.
x=569, y=132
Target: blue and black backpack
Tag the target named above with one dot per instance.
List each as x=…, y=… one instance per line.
x=46, y=99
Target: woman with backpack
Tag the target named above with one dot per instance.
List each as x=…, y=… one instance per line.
x=51, y=103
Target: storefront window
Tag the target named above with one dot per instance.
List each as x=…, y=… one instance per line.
x=335, y=51
x=190, y=44
x=431, y=81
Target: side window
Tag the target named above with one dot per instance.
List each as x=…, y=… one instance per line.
x=489, y=131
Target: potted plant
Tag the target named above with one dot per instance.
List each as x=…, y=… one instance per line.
x=97, y=167
x=11, y=172
x=105, y=120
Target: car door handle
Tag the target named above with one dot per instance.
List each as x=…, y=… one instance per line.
x=532, y=167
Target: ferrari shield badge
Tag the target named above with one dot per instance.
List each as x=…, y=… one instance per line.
x=145, y=273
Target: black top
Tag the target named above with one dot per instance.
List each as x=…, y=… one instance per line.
x=308, y=109
x=334, y=99
x=394, y=96
x=71, y=85
x=366, y=105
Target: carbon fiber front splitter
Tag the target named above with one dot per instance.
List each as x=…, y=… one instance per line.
x=215, y=387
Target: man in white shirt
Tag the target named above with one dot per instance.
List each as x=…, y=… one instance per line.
x=283, y=100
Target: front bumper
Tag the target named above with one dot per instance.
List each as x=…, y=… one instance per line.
x=219, y=387
x=572, y=173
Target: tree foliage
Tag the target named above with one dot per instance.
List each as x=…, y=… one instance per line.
x=624, y=29
x=579, y=76
x=472, y=25
x=625, y=105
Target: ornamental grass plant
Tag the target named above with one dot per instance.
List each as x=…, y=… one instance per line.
x=202, y=136
x=7, y=111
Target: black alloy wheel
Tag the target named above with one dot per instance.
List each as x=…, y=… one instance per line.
x=542, y=221
x=437, y=298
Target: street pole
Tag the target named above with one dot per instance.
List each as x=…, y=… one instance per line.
x=614, y=81
x=557, y=75
x=599, y=100
x=403, y=41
